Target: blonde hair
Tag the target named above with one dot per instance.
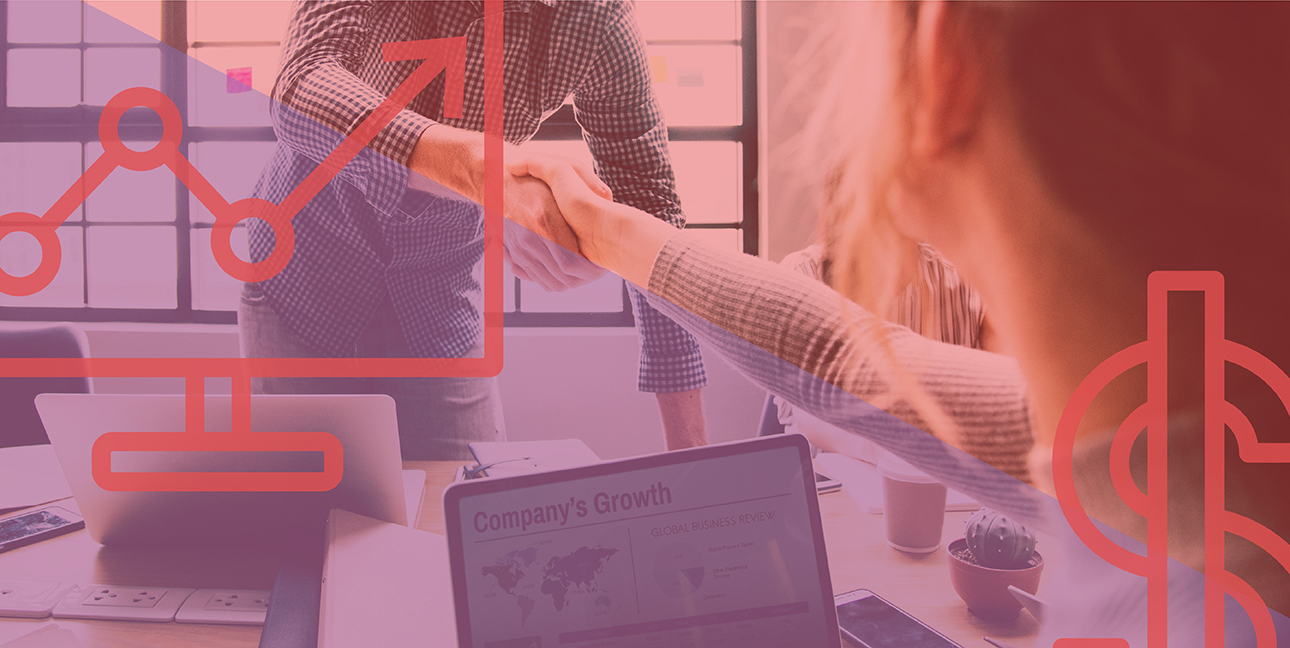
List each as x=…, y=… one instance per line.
x=1160, y=127
x=867, y=259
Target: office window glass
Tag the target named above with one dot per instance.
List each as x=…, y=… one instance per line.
x=233, y=168
x=131, y=196
x=708, y=180
x=123, y=21
x=36, y=174
x=131, y=267
x=218, y=92
x=213, y=289
x=42, y=21
x=237, y=21
x=697, y=85
x=111, y=70
x=19, y=256
x=688, y=19
x=43, y=78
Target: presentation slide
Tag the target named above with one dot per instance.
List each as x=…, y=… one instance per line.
x=711, y=553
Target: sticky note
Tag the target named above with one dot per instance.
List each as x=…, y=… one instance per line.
x=239, y=80
x=689, y=77
x=658, y=68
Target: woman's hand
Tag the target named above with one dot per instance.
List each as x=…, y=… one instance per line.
x=616, y=237
x=580, y=206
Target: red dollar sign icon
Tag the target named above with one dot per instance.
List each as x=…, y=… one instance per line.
x=1154, y=503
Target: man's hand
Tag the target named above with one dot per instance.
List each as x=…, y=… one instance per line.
x=533, y=257
x=454, y=159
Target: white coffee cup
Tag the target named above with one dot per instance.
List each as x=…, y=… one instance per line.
x=914, y=505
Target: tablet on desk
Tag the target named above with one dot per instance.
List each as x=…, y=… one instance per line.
x=720, y=545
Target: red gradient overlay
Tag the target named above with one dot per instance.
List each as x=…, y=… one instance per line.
x=1153, y=416
x=438, y=55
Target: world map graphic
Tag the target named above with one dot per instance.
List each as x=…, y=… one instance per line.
x=563, y=576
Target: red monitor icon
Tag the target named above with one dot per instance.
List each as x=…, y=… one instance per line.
x=439, y=55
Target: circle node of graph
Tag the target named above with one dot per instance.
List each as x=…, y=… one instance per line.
x=172, y=129
x=284, y=239
x=51, y=254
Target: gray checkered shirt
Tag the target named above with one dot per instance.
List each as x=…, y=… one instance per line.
x=367, y=236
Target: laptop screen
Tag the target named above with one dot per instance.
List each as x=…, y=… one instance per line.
x=716, y=546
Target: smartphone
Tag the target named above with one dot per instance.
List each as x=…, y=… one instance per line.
x=825, y=484
x=869, y=621
x=34, y=526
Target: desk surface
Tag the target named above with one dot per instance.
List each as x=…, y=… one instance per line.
x=858, y=557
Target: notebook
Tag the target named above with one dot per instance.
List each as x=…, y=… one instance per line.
x=383, y=585
x=292, y=621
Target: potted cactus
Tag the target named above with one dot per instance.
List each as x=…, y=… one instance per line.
x=994, y=553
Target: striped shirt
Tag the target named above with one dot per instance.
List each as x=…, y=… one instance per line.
x=804, y=342
x=957, y=315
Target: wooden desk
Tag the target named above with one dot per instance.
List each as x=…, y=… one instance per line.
x=858, y=557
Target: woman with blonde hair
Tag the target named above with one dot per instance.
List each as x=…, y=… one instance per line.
x=1057, y=154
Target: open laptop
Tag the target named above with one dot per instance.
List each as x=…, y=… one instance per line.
x=713, y=546
x=371, y=481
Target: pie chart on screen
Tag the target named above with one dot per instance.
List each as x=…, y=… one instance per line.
x=679, y=570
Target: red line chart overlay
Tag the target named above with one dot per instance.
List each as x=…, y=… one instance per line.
x=438, y=55
x=447, y=54
x=1153, y=417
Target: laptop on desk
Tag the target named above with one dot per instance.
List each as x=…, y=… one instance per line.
x=713, y=546
x=371, y=480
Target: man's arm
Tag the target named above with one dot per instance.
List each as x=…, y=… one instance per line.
x=682, y=414
x=320, y=100
x=624, y=129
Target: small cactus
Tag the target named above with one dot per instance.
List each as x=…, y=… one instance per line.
x=997, y=542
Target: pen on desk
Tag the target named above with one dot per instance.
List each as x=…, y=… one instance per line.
x=997, y=644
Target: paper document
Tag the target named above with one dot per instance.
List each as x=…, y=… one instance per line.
x=384, y=585
x=414, y=490
x=29, y=476
x=861, y=481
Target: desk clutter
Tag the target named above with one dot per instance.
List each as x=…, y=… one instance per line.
x=38, y=600
x=664, y=546
x=30, y=476
x=860, y=480
x=511, y=458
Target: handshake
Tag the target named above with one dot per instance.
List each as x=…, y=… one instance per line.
x=563, y=229
x=539, y=241
x=550, y=206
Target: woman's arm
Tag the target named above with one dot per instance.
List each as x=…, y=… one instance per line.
x=803, y=341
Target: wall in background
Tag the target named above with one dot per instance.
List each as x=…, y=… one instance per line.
x=557, y=383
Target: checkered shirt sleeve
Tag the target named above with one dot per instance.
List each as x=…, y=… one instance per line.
x=624, y=128
x=324, y=46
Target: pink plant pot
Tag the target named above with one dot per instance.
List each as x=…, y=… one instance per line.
x=985, y=590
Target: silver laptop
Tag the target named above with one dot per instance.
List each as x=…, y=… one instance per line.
x=370, y=481
x=715, y=546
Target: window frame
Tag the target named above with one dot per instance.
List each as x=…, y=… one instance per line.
x=80, y=124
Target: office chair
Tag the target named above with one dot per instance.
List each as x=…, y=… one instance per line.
x=20, y=423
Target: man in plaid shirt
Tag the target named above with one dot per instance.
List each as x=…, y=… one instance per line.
x=388, y=265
